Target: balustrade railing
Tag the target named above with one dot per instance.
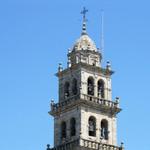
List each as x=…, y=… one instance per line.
x=99, y=100
x=67, y=145
x=99, y=146
x=87, y=144
x=69, y=100
x=80, y=97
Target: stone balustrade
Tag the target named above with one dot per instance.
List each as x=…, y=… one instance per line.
x=68, y=101
x=83, y=143
x=99, y=101
x=98, y=146
x=83, y=98
x=67, y=145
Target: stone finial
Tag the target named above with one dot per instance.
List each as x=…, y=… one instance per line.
x=117, y=100
x=100, y=51
x=122, y=146
x=108, y=66
x=69, y=50
x=66, y=95
x=52, y=102
x=69, y=62
x=60, y=68
x=48, y=147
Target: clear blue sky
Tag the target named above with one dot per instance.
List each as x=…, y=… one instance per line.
x=34, y=38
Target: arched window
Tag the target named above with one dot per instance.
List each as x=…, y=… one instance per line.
x=63, y=130
x=66, y=89
x=90, y=84
x=72, y=127
x=74, y=86
x=92, y=126
x=104, y=129
x=100, y=89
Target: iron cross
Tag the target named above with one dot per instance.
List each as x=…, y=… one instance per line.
x=84, y=11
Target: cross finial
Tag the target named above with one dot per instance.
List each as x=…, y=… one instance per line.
x=48, y=147
x=84, y=11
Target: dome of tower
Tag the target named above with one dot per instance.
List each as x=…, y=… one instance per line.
x=84, y=43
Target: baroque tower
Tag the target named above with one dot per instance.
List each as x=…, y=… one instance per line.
x=85, y=116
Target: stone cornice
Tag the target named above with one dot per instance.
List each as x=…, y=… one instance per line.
x=105, y=106
x=91, y=68
x=83, y=144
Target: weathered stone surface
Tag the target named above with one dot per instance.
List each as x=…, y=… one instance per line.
x=92, y=98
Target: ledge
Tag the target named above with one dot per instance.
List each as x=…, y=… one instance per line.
x=92, y=68
x=82, y=144
x=103, y=105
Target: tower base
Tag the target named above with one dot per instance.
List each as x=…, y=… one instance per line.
x=82, y=144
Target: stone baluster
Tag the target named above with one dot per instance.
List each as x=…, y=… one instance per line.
x=99, y=146
x=87, y=144
x=115, y=148
x=104, y=147
x=92, y=144
x=82, y=141
x=111, y=147
x=122, y=146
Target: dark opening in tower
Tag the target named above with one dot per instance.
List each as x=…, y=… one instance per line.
x=90, y=88
x=100, y=89
x=92, y=126
x=74, y=86
x=63, y=130
x=104, y=129
x=66, y=90
x=72, y=127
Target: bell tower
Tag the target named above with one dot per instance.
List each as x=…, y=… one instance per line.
x=85, y=116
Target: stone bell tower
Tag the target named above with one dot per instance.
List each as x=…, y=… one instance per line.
x=85, y=116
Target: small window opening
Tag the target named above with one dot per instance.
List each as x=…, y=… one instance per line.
x=100, y=89
x=90, y=90
x=67, y=86
x=94, y=64
x=74, y=86
x=104, y=129
x=63, y=130
x=92, y=126
x=73, y=127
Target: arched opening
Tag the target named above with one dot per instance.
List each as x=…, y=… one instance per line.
x=94, y=63
x=63, y=130
x=90, y=84
x=66, y=89
x=104, y=129
x=100, y=89
x=92, y=126
x=72, y=127
x=74, y=86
